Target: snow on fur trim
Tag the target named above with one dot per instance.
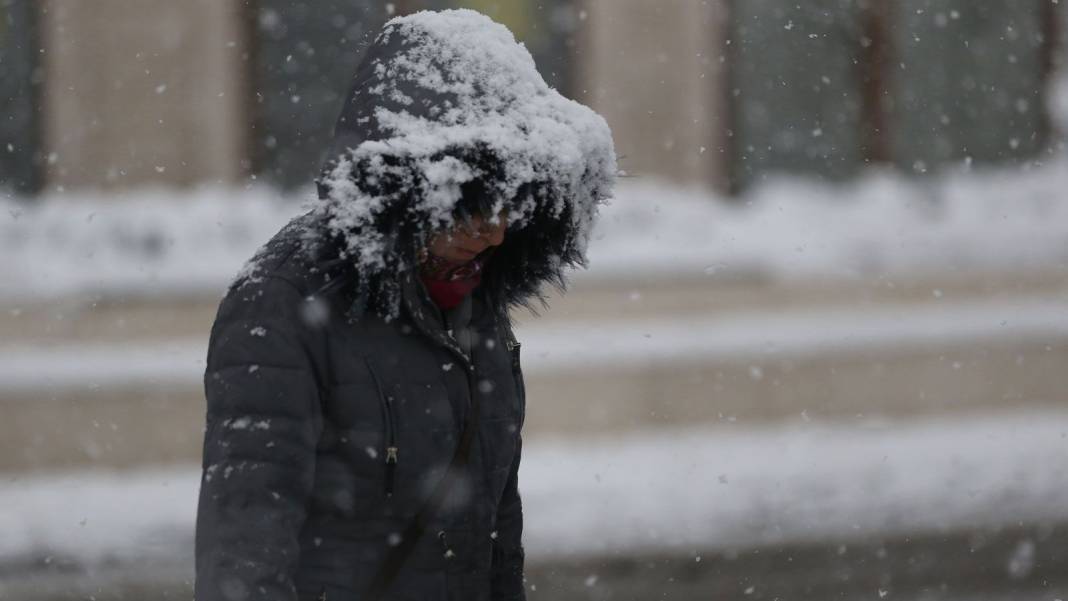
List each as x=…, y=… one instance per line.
x=448, y=109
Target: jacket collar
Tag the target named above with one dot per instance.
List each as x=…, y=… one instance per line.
x=426, y=315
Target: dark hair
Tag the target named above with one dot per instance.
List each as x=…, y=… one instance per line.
x=475, y=200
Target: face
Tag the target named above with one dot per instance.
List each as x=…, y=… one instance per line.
x=464, y=241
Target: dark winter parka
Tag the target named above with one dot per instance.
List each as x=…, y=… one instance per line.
x=336, y=389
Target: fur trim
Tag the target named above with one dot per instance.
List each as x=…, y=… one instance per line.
x=448, y=116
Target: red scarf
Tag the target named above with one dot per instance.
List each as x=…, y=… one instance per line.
x=448, y=283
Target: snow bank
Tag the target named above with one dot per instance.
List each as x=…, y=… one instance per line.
x=712, y=490
x=881, y=224
x=156, y=242
x=147, y=242
x=694, y=491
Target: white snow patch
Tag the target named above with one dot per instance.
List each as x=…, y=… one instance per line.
x=246, y=423
x=831, y=481
x=160, y=243
x=578, y=345
x=880, y=224
x=142, y=242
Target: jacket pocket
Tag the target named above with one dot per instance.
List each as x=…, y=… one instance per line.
x=389, y=420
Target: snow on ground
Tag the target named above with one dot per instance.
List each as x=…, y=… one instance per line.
x=88, y=366
x=617, y=343
x=880, y=224
x=151, y=242
x=690, y=491
x=796, y=333
x=161, y=242
x=735, y=489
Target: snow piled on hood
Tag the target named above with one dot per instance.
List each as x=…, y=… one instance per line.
x=450, y=98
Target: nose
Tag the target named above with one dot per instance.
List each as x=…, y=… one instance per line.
x=495, y=233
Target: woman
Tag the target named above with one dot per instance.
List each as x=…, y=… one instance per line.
x=364, y=392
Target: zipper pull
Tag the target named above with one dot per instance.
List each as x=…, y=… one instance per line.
x=513, y=350
x=322, y=595
x=449, y=554
x=391, y=465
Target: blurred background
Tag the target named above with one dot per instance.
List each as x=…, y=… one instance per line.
x=820, y=351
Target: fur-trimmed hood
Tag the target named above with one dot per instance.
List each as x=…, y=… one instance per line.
x=448, y=115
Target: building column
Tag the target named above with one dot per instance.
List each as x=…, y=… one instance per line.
x=656, y=71
x=151, y=92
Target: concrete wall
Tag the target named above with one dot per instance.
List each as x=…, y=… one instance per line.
x=156, y=92
x=654, y=70
x=146, y=92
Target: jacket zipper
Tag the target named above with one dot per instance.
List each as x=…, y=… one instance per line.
x=322, y=595
x=391, y=432
x=513, y=348
x=517, y=370
x=447, y=551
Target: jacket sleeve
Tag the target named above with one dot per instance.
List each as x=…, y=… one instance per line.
x=508, y=554
x=262, y=426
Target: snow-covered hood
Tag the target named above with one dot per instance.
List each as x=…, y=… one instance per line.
x=447, y=109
